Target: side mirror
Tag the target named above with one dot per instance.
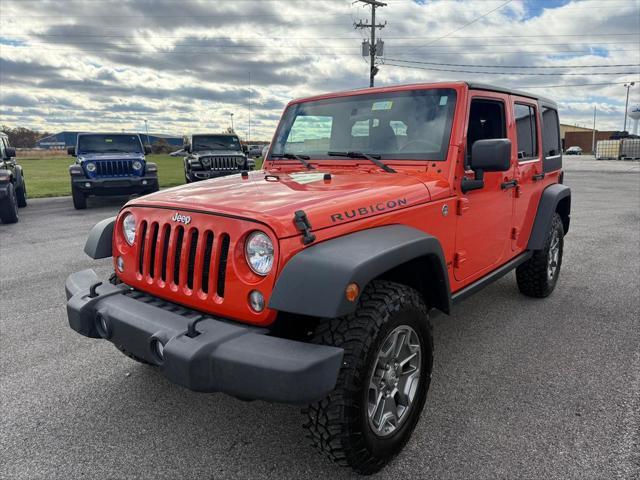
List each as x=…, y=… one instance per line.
x=71, y=151
x=492, y=155
x=245, y=149
x=147, y=149
x=187, y=148
x=10, y=152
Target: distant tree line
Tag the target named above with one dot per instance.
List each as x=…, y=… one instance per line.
x=21, y=137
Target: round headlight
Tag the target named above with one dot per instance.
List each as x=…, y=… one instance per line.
x=259, y=253
x=129, y=228
x=137, y=165
x=90, y=166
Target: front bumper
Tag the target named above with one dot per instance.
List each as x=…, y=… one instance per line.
x=221, y=357
x=115, y=185
x=197, y=175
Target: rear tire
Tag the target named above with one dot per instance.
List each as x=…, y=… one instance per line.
x=21, y=195
x=79, y=199
x=537, y=277
x=369, y=416
x=9, y=206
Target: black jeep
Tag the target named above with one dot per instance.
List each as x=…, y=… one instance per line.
x=13, y=191
x=214, y=155
x=110, y=164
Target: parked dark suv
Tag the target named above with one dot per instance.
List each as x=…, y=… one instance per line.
x=214, y=155
x=110, y=164
x=13, y=191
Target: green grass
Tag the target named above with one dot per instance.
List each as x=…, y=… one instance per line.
x=49, y=177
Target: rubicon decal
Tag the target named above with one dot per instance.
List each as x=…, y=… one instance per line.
x=178, y=217
x=368, y=210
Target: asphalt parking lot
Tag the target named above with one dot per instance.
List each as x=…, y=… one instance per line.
x=522, y=388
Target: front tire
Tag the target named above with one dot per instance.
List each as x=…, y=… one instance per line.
x=21, y=195
x=79, y=199
x=9, y=206
x=382, y=385
x=538, y=276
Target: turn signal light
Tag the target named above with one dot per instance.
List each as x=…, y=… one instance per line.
x=352, y=291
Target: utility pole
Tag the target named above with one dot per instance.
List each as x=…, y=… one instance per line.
x=374, y=49
x=593, y=136
x=249, y=136
x=626, y=104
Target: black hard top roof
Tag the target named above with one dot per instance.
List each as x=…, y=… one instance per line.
x=510, y=91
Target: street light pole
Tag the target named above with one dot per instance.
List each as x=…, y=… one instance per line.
x=231, y=114
x=626, y=104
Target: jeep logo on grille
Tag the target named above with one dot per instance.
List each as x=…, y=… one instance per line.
x=177, y=217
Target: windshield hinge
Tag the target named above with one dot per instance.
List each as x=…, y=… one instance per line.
x=302, y=223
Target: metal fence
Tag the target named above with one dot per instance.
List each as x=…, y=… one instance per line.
x=624, y=149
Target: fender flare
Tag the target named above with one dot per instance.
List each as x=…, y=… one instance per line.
x=99, y=241
x=5, y=173
x=19, y=176
x=313, y=282
x=554, y=198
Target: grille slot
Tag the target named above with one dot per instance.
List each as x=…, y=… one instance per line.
x=143, y=239
x=225, y=163
x=192, y=258
x=152, y=253
x=165, y=252
x=208, y=250
x=178, y=254
x=222, y=264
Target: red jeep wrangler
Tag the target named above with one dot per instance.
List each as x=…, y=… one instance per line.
x=311, y=281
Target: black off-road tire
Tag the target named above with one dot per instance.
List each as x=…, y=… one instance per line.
x=533, y=277
x=21, y=195
x=79, y=199
x=338, y=425
x=9, y=206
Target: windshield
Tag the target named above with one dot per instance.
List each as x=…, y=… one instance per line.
x=215, y=142
x=109, y=144
x=413, y=125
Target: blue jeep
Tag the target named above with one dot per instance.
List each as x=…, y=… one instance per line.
x=110, y=164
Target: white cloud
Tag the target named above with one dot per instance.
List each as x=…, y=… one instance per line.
x=184, y=65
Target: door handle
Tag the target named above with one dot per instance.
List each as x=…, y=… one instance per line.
x=510, y=184
x=538, y=176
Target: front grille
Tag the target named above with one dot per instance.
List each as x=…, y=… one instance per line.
x=174, y=255
x=114, y=168
x=225, y=163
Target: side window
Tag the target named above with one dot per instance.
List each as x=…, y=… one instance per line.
x=527, y=131
x=550, y=132
x=486, y=121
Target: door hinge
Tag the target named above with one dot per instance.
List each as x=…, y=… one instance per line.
x=515, y=233
x=459, y=258
x=463, y=206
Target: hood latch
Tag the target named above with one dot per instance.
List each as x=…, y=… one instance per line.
x=302, y=223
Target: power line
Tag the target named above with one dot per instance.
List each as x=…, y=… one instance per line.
x=513, y=66
x=468, y=23
x=556, y=74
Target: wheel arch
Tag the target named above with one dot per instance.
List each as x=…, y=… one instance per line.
x=313, y=282
x=555, y=198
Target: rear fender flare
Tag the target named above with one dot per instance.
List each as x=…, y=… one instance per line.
x=313, y=282
x=554, y=198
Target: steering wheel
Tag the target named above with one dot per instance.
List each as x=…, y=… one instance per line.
x=430, y=145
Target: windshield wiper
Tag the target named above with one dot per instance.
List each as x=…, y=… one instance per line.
x=302, y=158
x=371, y=157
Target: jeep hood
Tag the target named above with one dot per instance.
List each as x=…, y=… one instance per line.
x=85, y=157
x=273, y=198
x=212, y=153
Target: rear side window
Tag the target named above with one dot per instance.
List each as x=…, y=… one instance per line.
x=527, y=131
x=550, y=132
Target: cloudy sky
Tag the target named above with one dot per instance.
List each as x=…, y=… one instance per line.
x=186, y=65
